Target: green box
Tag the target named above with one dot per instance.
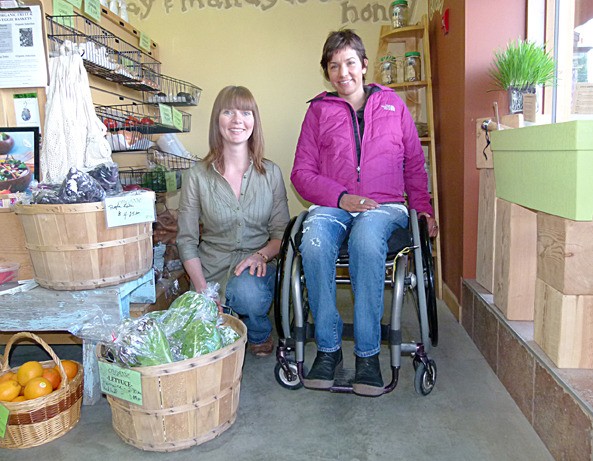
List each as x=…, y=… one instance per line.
x=547, y=168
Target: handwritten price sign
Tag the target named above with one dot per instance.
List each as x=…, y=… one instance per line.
x=132, y=208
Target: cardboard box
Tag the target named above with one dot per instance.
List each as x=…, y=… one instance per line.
x=563, y=326
x=547, y=168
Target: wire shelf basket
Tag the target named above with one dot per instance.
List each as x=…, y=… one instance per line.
x=170, y=161
x=175, y=93
x=144, y=119
x=103, y=53
x=157, y=179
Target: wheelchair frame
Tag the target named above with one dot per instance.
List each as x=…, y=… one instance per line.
x=291, y=311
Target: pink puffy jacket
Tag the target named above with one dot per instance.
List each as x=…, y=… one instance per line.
x=391, y=157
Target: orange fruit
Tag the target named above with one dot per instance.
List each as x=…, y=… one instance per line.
x=53, y=376
x=28, y=371
x=7, y=376
x=37, y=387
x=9, y=390
x=20, y=398
x=70, y=367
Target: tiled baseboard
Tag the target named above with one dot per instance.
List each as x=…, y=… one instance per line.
x=557, y=402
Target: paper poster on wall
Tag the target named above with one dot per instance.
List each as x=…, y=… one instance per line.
x=22, y=48
x=26, y=109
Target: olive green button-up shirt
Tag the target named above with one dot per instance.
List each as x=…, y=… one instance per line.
x=231, y=229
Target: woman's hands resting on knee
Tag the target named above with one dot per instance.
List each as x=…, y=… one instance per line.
x=357, y=203
x=255, y=263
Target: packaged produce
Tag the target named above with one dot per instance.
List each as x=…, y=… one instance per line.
x=200, y=337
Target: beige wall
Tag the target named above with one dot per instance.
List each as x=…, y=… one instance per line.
x=275, y=52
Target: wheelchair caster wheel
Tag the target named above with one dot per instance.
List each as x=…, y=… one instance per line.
x=426, y=377
x=284, y=381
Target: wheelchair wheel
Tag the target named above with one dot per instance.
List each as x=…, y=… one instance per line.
x=429, y=283
x=280, y=275
x=284, y=381
x=426, y=376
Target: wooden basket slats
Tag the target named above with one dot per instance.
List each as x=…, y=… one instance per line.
x=184, y=403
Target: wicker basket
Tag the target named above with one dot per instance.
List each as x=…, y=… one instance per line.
x=184, y=403
x=41, y=420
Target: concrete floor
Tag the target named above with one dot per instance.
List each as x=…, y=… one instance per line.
x=468, y=416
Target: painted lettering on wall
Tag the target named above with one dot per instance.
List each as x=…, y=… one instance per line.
x=350, y=13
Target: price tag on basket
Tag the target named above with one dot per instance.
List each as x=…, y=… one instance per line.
x=177, y=119
x=3, y=420
x=120, y=382
x=166, y=114
x=171, y=181
x=92, y=8
x=123, y=210
x=144, y=42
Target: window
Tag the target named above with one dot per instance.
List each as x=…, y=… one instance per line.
x=566, y=27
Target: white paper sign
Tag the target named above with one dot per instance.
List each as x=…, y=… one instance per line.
x=22, y=48
x=131, y=208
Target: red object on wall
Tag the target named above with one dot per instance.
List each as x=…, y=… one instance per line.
x=445, y=22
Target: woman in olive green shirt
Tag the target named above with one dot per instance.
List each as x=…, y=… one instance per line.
x=239, y=199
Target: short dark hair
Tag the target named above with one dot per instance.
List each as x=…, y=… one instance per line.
x=338, y=40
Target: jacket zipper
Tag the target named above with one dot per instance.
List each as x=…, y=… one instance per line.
x=356, y=140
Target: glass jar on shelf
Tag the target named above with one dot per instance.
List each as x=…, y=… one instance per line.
x=399, y=14
x=412, y=67
x=388, y=70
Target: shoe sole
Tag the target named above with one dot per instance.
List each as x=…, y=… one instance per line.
x=367, y=390
x=322, y=384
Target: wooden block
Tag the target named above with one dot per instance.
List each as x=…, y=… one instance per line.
x=565, y=254
x=12, y=243
x=515, y=260
x=513, y=120
x=486, y=230
x=563, y=326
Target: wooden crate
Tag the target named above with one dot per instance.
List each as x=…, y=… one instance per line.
x=564, y=326
x=565, y=254
x=12, y=243
x=515, y=260
x=486, y=230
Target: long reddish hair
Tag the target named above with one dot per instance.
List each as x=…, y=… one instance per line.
x=235, y=97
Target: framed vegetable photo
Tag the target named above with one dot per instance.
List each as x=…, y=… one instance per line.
x=19, y=158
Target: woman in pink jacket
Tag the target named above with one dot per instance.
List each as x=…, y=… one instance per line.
x=357, y=160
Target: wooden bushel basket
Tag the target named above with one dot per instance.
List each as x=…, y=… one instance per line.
x=41, y=420
x=72, y=248
x=184, y=403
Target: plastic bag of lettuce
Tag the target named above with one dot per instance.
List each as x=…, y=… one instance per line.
x=189, y=328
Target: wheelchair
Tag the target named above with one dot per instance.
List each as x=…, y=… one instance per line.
x=409, y=271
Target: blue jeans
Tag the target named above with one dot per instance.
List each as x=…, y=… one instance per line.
x=324, y=230
x=251, y=297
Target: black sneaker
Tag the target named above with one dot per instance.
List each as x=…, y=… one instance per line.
x=367, y=379
x=323, y=370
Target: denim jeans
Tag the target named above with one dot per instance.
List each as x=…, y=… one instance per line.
x=324, y=231
x=251, y=297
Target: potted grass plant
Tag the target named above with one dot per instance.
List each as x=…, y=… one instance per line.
x=519, y=68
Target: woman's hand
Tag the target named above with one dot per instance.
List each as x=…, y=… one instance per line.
x=357, y=203
x=433, y=227
x=255, y=263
